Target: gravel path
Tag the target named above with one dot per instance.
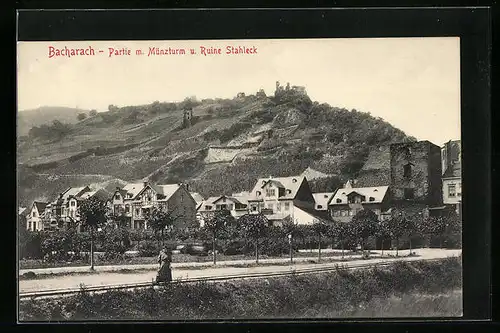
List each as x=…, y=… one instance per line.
x=111, y=278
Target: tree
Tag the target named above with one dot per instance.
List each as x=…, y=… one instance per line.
x=365, y=224
x=383, y=231
x=320, y=228
x=345, y=234
x=93, y=113
x=215, y=224
x=159, y=219
x=81, y=116
x=254, y=226
x=397, y=225
x=120, y=224
x=93, y=214
x=290, y=229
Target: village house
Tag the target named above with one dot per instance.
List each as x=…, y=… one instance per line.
x=34, y=216
x=136, y=201
x=348, y=201
x=62, y=213
x=452, y=175
x=236, y=204
x=283, y=197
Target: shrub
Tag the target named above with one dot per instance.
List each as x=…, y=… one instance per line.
x=149, y=249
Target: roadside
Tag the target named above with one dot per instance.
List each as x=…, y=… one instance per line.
x=112, y=277
x=328, y=256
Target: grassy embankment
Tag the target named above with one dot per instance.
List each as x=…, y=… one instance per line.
x=410, y=289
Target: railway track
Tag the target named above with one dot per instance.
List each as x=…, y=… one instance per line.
x=99, y=289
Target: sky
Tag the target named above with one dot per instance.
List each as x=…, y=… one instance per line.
x=413, y=83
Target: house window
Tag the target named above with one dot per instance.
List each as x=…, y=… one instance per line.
x=73, y=204
x=270, y=206
x=117, y=197
x=208, y=207
x=137, y=211
x=34, y=214
x=326, y=196
x=343, y=213
x=407, y=170
x=270, y=192
x=258, y=193
x=29, y=225
x=372, y=199
x=127, y=208
x=350, y=213
x=452, y=190
x=287, y=206
x=289, y=191
x=230, y=207
x=339, y=201
x=409, y=193
x=319, y=206
x=278, y=206
x=254, y=208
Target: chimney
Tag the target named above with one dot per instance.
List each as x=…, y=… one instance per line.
x=118, y=188
x=145, y=183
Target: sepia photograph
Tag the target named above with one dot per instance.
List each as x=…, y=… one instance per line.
x=179, y=180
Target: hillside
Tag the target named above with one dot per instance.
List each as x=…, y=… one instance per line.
x=26, y=119
x=227, y=145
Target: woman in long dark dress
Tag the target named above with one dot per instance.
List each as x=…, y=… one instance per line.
x=165, y=272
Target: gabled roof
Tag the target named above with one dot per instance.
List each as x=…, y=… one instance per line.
x=101, y=194
x=21, y=210
x=75, y=192
x=322, y=199
x=40, y=206
x=166, y=190
x=133, y=188
x=291, y=184
x=377, y=192
x=197, y=197
x=234, y=199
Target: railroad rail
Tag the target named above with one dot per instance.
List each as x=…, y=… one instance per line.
x=99, y=289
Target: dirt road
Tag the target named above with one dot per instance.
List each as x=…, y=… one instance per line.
x=112, y=278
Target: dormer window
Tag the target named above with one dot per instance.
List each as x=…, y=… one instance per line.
x=294, y=180
x=343, y=193
x=375, y=190
x=326, y=196
x=258, y=193
x=263, y=182
x=320, y=207
x=372, y=199
x=289, y=191
x=339, y=201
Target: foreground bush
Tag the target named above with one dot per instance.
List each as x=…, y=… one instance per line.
x=339, y=293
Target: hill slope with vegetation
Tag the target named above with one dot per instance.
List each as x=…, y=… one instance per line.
x=251, y=136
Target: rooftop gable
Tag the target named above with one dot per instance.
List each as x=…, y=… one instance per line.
x=290, y=184
x=377, y=193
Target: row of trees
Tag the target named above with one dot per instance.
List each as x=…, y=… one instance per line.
x=248, y=233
